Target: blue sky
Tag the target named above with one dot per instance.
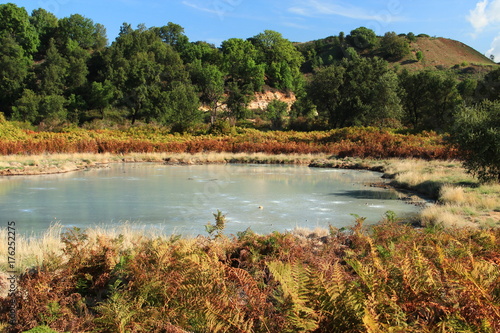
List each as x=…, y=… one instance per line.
x=474, y=22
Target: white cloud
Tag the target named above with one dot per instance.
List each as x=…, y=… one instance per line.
x=485, y=14
x=203, y=9
x=495, y=48
x=313, y=8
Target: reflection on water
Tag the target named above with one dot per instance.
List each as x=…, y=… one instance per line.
x=368, y=194
x=182, y=199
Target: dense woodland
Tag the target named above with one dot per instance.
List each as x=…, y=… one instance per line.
x=60, y=73
x=57, y=71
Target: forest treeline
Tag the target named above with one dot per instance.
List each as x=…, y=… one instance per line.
x=57, y=71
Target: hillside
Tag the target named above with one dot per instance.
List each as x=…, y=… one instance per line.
x=438, y=53
x=444, y=53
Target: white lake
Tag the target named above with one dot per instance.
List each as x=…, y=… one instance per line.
x=182, y=199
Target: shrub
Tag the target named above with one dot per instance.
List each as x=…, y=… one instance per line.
x=477, y=133
x=420, y=56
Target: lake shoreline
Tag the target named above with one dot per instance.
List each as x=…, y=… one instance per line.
x=457, y=199
x=33, y=165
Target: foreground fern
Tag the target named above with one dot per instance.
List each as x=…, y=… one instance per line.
x=390, y=278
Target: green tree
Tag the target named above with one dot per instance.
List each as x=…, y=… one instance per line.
x=45, y=24
x=489, y=87
x=144, y=71
x=240, y=64
x=467, y=89
x=276, y=112
x=15, y=21
x=210, y=83
x=182, y=107
x=244, y=75
x=420, y=55
x=386, y=107
x=324, y=91
x=411, y=37
x=237, y=101
x=101, y=96
x=477, y=132
x=173, y=35
x=203, y=51
x=14, y=68
x=77, y=59
x=282, y=59
x=26, y=107
x=430, y=99
x=394, y=47
x=36, y=108
x=362, y=38
x=362, y=91
x=52, y=73
x=52, y=108
x=82, y=30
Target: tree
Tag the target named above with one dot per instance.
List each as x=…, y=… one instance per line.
x=45, y=24
x=420, y=55
x=173, y=35
x=489, y=87
x=237, y=101
x=386, y=109
x=210, y=82
x=203, y=51
x=430, y=99
x=15, y=21
x=26, y=107
x=52, y=74
x=393, y=46
x=324, y=91
x=182, y=107
x=82, y=30
x=36, y=108
x=477, y=132
x=362, y=38
x=77, y=59
x=411, y=37
x=14, y=68
x=467, y=89
x=53, y=108
x=240, y=64
x=282, y=59
x=145, y=72
x=276, y=112
x=101, y=95
x=362, y=91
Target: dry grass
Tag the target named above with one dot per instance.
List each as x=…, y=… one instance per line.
x=310, y=233
x=461, y=198
x=33, y=251
x=446, y=216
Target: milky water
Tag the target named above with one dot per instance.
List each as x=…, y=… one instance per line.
x=182, y=199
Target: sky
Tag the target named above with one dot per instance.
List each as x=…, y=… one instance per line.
x=473, y=22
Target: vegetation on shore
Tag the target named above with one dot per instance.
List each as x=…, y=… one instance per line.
x=391, y=277
x=355, y=142
x=56, y=71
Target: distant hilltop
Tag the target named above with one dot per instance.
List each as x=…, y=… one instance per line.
x=418, y=52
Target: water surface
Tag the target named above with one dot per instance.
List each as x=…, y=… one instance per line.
x=181, y=199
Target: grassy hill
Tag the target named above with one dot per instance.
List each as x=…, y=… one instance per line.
x=438, y=53
x=445, y=53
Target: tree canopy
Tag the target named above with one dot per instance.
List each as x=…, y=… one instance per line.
x=63, y=70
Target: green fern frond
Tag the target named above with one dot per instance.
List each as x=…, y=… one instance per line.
x=294, y=282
